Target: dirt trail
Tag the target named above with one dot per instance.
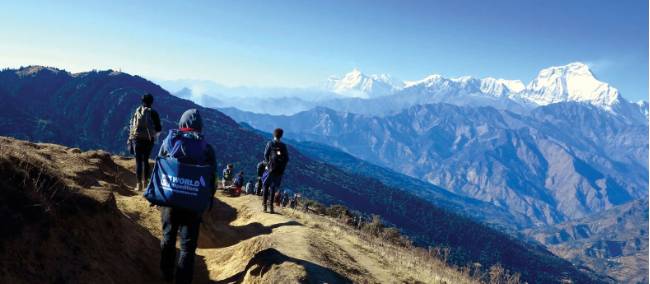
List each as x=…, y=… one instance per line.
x=81, y=222
x=239, y=243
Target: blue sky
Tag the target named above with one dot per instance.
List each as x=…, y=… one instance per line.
x=301, y=43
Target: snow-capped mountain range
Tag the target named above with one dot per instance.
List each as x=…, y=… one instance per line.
x=358, y=85
x=569, y=83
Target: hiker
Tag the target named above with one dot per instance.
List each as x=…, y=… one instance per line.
x=249, y=188
x=237, y=185
x=294, y=201
x=276, y=158
x=188, y=146
x=227, y=176
x=144, y=130
x=285, y=199
x=277, y=198
x=261, y=168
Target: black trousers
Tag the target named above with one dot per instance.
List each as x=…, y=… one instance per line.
x=142, y=153
x=186, y=224
x=271, y=184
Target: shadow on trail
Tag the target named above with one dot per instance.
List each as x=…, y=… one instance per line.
x=216, y=231
x=263, y=261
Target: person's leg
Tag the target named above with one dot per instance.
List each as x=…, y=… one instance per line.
x=275, y=185
x=168, y=243
x=265, y=196
x=146, y=166
x=139, y=151
x=271, y=197
x=189, y=233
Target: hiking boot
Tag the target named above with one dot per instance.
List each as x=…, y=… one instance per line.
x=271, y=211
x=138, y=187
x=265, y=209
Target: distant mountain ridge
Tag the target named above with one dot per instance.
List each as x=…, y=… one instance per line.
x=574, y=82
x=560, y=162
x=381, y=94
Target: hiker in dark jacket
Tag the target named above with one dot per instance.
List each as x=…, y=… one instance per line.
x=175, y=220
x=276, y=157
x=144, y=130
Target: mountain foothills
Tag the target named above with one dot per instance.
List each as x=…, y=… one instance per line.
x=614, y=241
x=90, y=110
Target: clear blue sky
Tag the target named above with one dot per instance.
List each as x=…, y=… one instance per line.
x=300, y=43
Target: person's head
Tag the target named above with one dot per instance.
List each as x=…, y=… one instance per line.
x=277, y=133
x=147, y=99
x=191, y=121
x=229, y=166
x=241, y=173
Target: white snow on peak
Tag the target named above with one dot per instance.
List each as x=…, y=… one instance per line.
x=572, y=82
x=501, y=87
x=427, y=81
x=359, y=85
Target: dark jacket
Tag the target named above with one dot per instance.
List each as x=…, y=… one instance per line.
x=239, y=181
x=174, y=142
x=267, y=156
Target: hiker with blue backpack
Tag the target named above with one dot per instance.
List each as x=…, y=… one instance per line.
x=144, y=130
x=276, y=158
x=183, y=185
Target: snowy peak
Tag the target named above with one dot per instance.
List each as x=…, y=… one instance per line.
x=501, y=87
x=359, y=85
x=572, y=82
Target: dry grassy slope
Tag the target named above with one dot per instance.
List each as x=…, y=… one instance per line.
x=89, y=227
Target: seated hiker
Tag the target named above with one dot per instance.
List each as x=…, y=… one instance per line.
x=285, y=199
x=237, y=185
x=227, y=176
x=188, y=146
x=249, y=188
x=294, y=201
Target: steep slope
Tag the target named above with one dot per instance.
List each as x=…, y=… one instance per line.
x=93, y=109
x=562, y=161
x=71, y=217
x=483, y=211
x=614, y=241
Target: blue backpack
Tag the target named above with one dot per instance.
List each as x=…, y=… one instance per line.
x=182, y=179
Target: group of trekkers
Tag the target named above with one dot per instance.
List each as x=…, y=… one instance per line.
x=183, y=180
x=237, y=185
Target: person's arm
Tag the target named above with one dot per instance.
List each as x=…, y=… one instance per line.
x=164, y=148
x=211, y=158
x=286, y=153
x=212, y=161
x=267, y=153
x=130, y=136
x=156, y=121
